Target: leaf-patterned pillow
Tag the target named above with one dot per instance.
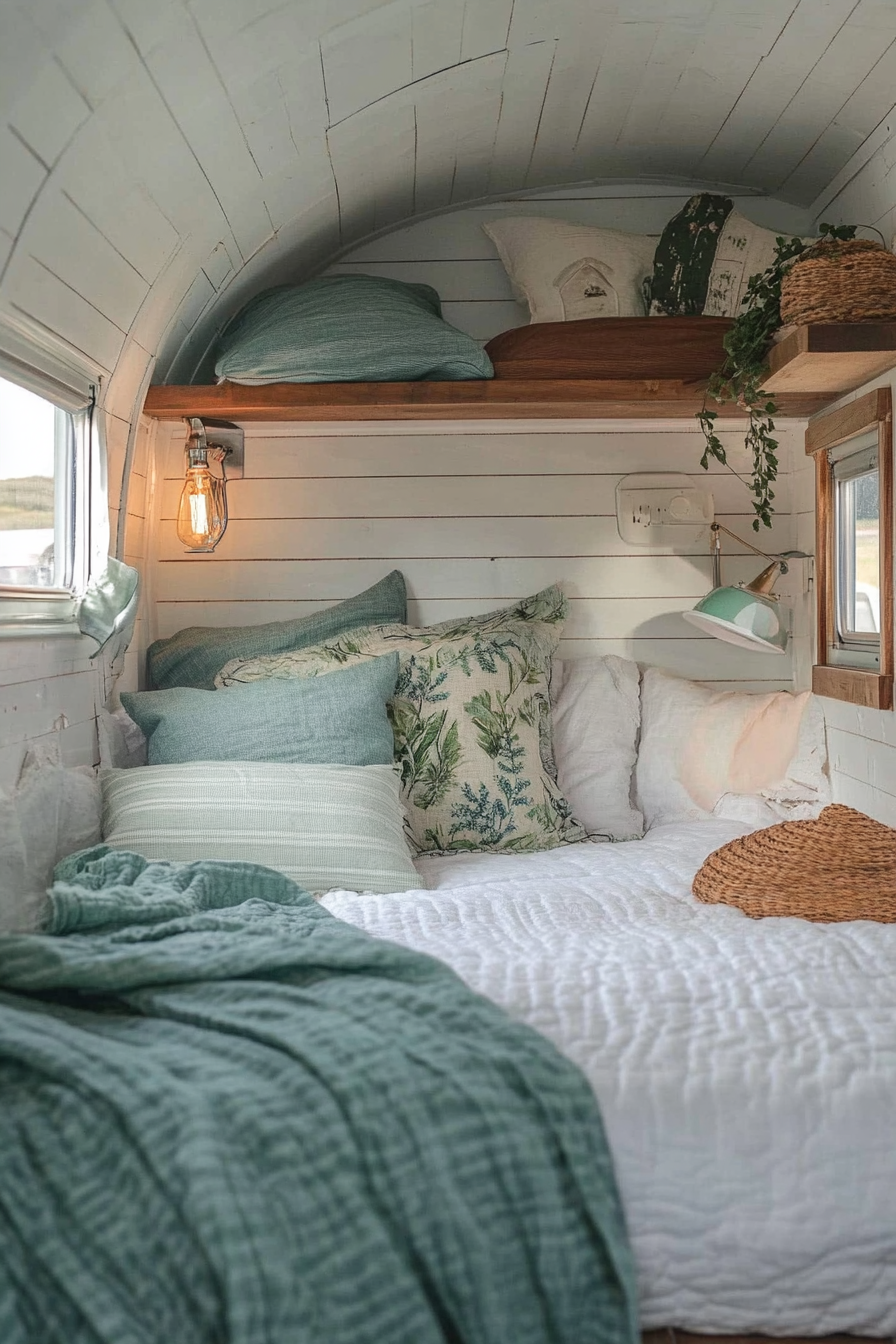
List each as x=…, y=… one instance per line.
x=472, y=722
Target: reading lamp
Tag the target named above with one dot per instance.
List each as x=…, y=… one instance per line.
x=202, y=511
x=748, y=614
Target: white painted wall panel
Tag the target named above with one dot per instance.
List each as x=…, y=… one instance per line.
x=471, y=526
x=148, y=151
x=863, y=741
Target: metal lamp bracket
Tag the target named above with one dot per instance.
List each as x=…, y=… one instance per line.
x=222, y=434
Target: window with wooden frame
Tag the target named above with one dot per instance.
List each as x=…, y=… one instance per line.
x=853, y=451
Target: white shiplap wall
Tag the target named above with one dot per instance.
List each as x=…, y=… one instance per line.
x=475, y=518
x=862, y=742
x=452, y=253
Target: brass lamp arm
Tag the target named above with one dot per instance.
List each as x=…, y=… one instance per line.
x=767, y=577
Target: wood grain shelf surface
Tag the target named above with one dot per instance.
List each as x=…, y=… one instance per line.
x=500, y=399
x=833, y=357
x=809, y=368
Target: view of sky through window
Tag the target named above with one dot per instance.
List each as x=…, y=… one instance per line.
x=27, y=467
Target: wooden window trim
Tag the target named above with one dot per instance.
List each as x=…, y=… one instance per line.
x=873, y=690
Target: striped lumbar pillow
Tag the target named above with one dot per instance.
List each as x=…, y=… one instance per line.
x=324, y=826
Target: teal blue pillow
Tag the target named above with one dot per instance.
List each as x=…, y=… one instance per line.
x=347, y=329
x=336, y=719
x=194, y=657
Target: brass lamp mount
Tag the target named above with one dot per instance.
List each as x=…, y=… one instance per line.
x=763, y=584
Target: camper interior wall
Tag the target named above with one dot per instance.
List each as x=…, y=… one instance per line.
x=861, y=742
x=114, y=246
x=62, y=270
x=474, y=515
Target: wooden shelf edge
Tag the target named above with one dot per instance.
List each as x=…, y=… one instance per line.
x=831, y=358
x=871, y=690
x=501, y=398
x=808, y=369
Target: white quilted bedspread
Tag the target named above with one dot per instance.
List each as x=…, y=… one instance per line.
x=746, y=1069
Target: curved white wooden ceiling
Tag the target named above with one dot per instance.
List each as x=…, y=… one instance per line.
x=151, y=148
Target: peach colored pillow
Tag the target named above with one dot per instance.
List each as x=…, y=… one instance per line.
x=700, y=746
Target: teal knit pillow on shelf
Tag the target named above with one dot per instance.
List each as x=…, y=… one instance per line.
x=194, y=657
x=338, y=719
x=347, y=329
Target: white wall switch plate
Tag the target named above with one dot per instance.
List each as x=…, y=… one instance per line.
x=663, y=509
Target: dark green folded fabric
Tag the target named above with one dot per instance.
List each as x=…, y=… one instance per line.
x=193, y=657
x=684, y=257
x=336, y=719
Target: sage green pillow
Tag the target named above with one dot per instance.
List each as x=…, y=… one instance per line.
x=324, y=826
x=193, y=656
x=340, y=719
x=347, y=329
x=472, y=721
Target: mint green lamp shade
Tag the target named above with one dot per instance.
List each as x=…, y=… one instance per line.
x=742, y=617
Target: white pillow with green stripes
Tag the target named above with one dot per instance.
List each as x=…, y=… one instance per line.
x=325, y=826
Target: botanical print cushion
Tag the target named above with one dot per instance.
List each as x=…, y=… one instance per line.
x=566, y=271
x=684, y=257
x=472, y=723
x=705, y=258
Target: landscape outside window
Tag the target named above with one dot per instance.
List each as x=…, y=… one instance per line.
x=863, y=538
x=27, y=488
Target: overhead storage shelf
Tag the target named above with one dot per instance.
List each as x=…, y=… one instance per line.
x=502, y=399
x=809, y=368
x=832, y=358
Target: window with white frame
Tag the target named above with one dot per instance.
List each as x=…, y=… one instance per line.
x=855, y=471
x=852, y=446
x=44, y=508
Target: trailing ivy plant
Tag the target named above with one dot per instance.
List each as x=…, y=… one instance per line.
x=740, y=377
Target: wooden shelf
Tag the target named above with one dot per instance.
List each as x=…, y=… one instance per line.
x=500, y=399
x=809, y=368
x=831, y=358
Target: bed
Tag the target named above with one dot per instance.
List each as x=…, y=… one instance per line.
x=746, y=1070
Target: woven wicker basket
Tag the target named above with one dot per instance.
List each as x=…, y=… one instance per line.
x=841, y=866
x=840, y=280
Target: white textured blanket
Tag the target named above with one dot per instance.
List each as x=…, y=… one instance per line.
x=746, y=1069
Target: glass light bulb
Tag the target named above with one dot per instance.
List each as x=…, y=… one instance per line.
x=202, y=512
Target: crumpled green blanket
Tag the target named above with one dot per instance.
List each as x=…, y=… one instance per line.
x=226, y=1116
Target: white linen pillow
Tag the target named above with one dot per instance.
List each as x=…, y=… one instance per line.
x=703, y=752
x=744, y=249
x=52, y=812
x=596, y=714
x=324, y=826
x=565, y=272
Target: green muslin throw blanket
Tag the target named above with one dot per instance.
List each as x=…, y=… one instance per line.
x=226, y=1117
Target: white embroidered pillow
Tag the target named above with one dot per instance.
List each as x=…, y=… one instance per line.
x=565, y=272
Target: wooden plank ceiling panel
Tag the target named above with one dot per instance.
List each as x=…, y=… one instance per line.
x=805, y=37
x=294, y=129
x=844, y=66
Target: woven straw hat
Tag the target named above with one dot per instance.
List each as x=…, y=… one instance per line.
x=841, y=866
